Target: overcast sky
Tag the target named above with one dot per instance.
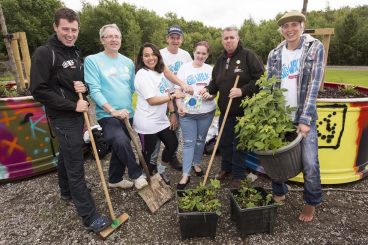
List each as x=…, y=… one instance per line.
x=222, y=13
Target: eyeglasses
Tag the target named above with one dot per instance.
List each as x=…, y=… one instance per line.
x=112, y=36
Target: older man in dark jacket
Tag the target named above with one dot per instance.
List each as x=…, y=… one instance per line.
x=235, y=61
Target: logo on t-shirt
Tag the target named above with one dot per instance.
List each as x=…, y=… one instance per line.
x=68, y=63
x=197, y=78
x=290, y=70
x=175, y=67
x=164, y=86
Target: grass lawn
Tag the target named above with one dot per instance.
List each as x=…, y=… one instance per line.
x=355, y=77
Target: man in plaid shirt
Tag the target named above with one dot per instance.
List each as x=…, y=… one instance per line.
x=298, y=63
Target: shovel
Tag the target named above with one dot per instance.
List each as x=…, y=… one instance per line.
x=116, y=222
x=157, y=193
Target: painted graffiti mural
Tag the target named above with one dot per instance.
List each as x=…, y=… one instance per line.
x=27, y=146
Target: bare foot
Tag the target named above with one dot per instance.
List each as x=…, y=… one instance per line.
x=279, y=199
x=307, y=214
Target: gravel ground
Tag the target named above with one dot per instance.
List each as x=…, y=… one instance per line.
x=32, y=213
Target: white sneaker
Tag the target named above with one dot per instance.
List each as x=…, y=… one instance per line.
x=252, y=176
x=124, y=184
x=140, y=182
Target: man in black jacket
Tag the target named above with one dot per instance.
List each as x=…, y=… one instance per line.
x=56, y=78
x=235, y=61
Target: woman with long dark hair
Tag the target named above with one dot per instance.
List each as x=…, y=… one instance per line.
x=150, y=120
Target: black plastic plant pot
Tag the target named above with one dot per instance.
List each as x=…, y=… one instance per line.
x=284, y=163
x=196, y=224
x=253, y=220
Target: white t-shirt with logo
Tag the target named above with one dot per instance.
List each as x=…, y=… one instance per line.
x=175, y=61
x=289, y=75
x=197, y=78
x=150, y=119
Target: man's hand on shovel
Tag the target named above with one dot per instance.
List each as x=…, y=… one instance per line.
x=82, y=105
x=121, y=114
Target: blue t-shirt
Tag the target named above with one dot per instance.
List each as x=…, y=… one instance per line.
x=110, y=80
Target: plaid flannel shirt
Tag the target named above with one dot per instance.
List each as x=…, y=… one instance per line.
x=311, y=69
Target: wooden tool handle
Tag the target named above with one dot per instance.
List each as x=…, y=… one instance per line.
x=220, y=133
x=137, y=148
x=98, y=163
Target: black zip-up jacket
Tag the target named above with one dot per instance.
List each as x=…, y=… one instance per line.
x=250, y=69
x=53, y=70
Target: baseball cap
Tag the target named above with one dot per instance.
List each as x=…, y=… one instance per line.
x=174, y=29
x=291, y=16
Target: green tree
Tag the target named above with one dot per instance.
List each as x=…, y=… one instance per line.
x=153, y=27
x=34, y=17
x=108, y=12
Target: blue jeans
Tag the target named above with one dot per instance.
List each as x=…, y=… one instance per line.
x=233, y=160
x=117, y=137
x=194, y=128
x=311, y=174
x=69, y=132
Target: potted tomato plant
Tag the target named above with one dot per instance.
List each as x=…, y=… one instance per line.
x=198, y=210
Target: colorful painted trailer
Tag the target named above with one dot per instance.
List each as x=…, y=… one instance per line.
x=342, y=139
x=27, y=145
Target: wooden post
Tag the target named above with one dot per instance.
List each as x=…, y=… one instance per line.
x=25, y=54
x=18, y=62
x=326, y=34
x=9, y=49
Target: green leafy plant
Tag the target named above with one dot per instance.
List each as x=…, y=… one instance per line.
x=266, y=119
x=248, y=197
x=349, y=89
x=202, y=198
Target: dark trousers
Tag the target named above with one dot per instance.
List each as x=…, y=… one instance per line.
x=117, y=137
x=71, y=166
x=167, y=136
x=233, y=160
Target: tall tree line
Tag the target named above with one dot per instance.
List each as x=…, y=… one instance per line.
x=139, y=25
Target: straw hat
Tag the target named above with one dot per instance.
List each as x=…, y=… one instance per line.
x=291, y=16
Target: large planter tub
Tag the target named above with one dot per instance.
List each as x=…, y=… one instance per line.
x=27, y=146
x=342, y=139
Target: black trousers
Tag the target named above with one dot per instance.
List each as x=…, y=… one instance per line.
x=167, y=136
x=71, y=166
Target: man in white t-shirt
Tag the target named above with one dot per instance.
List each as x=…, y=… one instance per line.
x=298, y=62
x=174, y=57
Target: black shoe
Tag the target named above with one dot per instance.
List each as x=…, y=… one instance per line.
x=165, y=178
x=175, y=164
x=222, y=175
x=99, y=224
x=235, y=183
x=199, y=174
x=66, y=198
x=180, y=186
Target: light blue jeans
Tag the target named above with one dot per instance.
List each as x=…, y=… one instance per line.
x=311, y=173
x=194, y=128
